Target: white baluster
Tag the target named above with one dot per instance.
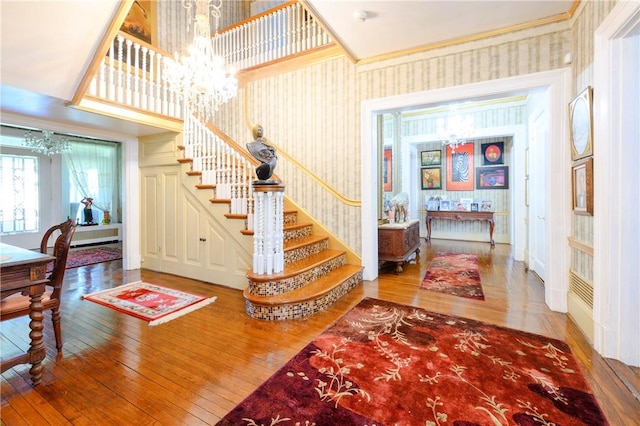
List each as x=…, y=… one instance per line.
x=158, y=97
x=269, y=219
x=127, y=75
x=278, y=261
x=119, y=83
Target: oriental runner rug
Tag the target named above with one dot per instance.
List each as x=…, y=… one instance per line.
x=456, y=274
x=149, y=302
x=76, y=259
x=384, y=363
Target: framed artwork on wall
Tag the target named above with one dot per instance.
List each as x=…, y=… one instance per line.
x=431, y=177
x=582, y=184
x=492, y=177
x=387, y=170
x=140, y=21
x=581, y=120
x=460, y=168
x=492, y=153
x=431, y=158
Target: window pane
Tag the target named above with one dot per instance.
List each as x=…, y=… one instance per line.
x=19, y=202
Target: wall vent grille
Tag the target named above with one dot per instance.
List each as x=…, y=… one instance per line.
x=581, y=287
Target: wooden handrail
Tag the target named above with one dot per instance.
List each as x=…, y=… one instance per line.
x=313, y=176
x=257, y=16
x=102, y=50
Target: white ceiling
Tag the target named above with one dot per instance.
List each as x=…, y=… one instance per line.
x=45, y=50
x=395, y=26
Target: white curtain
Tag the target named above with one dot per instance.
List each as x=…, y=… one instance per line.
x=93, y=169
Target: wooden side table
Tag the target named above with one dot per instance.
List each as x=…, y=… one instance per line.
x=460, y=216
x=398, y=241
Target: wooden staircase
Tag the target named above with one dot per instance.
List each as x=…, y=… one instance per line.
x=314, y=276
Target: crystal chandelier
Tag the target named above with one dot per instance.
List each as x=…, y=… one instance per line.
x=49, y=144
x=201, y=78
x=455, y=130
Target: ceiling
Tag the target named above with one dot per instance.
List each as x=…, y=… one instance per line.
x=45, y=50
x=397, y=26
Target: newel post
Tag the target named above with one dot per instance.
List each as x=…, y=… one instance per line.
x=268, y=224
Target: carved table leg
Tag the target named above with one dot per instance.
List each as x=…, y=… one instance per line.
x=37, y=350
x=493, y=243
x=428, y=223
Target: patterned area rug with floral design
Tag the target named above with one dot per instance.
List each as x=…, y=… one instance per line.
x=456, y=274
x=76, y=259
x=384, y=363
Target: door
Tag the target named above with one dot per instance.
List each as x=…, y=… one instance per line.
x=538, y=190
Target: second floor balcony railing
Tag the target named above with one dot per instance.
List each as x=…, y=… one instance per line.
x=131, y=74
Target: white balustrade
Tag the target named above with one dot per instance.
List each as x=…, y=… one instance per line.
x=268, y=228
x=131, y=73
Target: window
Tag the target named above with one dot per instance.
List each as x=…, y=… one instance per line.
x=19, y=202
x=92, y=170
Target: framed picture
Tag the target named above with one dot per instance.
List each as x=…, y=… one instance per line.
x=486, y=206
x=433, y=204
x=492, y=177
x=431, y=158
x=474, y=207
x=431, y=178
x=140, y=21
x=582, y=183
x=387, y=170
x=445, y=205
x=460, y=168
x=492, y=153
x=581, y=119
x=462, y=206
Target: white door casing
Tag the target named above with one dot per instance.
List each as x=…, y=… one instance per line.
x=558, y=84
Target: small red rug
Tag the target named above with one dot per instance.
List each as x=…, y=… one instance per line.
x=149, y=302
x=384, y=363
x=76, y=259
x=456, y=274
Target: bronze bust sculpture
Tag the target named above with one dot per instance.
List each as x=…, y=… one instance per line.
x=263, y=152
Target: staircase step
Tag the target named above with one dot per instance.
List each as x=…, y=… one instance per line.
x=308, y=300
x=299, y=267
x=291, y=232
x=300, y=248
x=297, y=231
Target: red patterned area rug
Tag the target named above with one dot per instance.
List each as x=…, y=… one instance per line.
x=149, y=302
x=456, y=274
x=384, y=363
x=76, y=259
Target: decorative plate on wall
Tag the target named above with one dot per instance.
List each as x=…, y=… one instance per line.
x=581, y=125
x=492, y=153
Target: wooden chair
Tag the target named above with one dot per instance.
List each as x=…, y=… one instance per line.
x=17, y=305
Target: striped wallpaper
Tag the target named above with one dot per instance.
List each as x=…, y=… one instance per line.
x=314, y=113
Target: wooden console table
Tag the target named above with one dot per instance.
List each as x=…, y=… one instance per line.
x=25, y=271
x=398, y=241
x=459, y=216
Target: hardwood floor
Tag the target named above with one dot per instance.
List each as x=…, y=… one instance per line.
x=115, y=369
